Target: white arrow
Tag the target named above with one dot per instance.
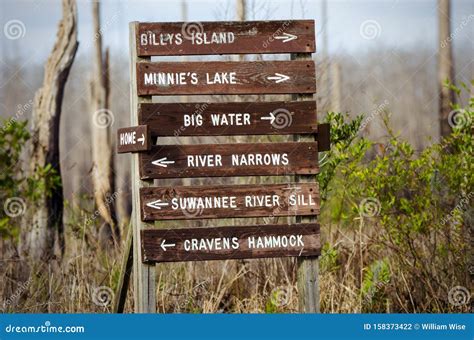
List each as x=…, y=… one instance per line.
x=162, y=162
x=286, y=37
x=157, y=204
x=142, y=139
x=279, y=78
x=271, y=118
x=164, y=245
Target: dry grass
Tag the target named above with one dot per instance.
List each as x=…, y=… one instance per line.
x=86, y=278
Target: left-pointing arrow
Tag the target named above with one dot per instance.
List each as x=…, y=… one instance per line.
x=165, y=245
x=162, y=162
x=278, y=77
x=157, y=204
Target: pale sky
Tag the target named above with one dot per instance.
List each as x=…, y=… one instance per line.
x=401, y=24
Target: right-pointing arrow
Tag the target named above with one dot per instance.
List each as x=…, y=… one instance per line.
x=286, y=37
x=271, y=117
x=142, y=139
x=165, y=245
x=278, y=77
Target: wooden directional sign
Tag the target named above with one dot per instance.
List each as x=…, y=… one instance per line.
x=242, y=159
x=222, y=243
x=133, y=139
x=221, y=201
x=187, y=38
x=225, y=119
x=233, y=77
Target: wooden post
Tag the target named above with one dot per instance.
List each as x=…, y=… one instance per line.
x=308, y=267
x=125, y=273
x=143, y=274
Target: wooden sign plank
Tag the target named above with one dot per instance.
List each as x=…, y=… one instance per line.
x=226, y=77
x=222, y=160
x=193, y=38
x=222, y=243
x=133, y=139
x=226, y=119
x=324, y=137
x=221, y=201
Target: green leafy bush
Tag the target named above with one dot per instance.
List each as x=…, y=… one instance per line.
x=17, y=187
x=410, y=209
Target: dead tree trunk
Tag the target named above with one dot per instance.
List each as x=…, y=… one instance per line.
x=445, y=66
x=103, y=175
x=336, y=93
x=44, y=215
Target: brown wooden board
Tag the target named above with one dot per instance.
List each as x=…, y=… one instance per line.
x=226, y=77
x=222, y=243
x=221, y=201
x=226, y=119
x=222, y=160
x=324, y=137
x=192, y=38
x=133, y=139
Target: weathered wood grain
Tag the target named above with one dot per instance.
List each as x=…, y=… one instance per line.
x=308, y=268
x=133, y=139
x=144, y=275
x=226, y=77
x=223, y=160
x=226, y=119
x=222, y=243
x=193, y=38
x=164, y=203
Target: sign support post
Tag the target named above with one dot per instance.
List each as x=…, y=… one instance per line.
x=308, y=267
x=143, y=274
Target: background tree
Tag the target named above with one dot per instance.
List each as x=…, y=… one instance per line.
x=43, y=220
x=103, y=177
x=445, y=66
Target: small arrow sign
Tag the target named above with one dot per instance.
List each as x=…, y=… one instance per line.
x=286, y=37
x=142, y=139
x=165, y=245
x=162, y=162
x=157, y=204
x=278, y=78
x=133, y=139
x=271, y=118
